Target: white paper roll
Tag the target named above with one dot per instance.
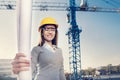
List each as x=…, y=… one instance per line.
x=24, y=13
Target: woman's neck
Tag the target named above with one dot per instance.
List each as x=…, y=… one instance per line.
x=50, y=43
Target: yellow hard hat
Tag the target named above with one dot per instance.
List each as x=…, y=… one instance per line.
x=48, y=20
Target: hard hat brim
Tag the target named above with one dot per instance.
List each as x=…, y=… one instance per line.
x=56, y=25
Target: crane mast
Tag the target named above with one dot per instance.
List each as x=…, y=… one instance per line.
x=74, y=43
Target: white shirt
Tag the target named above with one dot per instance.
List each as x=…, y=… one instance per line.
x=46, y=45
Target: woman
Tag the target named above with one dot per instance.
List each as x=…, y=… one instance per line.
x=47, y=56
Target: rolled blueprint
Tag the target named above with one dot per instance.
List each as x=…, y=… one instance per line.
x=24, y=20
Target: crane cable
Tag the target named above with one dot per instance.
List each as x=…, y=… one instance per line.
x=113, y=3
x=116, y=2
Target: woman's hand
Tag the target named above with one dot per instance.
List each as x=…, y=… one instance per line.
x=20, y=63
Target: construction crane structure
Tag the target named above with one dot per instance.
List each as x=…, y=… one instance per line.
x=74, y=31
x=74, y=43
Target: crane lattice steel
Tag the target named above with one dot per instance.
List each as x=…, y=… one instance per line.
x=74, y=30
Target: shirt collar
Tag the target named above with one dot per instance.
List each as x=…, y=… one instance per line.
x=46, y=45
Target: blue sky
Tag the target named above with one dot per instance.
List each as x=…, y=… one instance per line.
x=100, y=38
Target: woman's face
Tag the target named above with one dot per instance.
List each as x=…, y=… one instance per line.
x=49, y=32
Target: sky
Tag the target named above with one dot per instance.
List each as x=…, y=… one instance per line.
x=99, y=39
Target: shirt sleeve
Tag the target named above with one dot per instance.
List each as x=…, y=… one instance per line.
x=62, y=74
x=34, y=61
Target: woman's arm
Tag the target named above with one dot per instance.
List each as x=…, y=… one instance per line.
x=62, y=74
x=20, y=63
x=34, y=61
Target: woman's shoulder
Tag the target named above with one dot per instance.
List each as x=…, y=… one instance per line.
x=37, y=48
x=58, y=49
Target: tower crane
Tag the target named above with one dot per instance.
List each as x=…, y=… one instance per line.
x=73, y=32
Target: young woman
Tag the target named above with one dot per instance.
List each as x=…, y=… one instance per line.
x=47, y=59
